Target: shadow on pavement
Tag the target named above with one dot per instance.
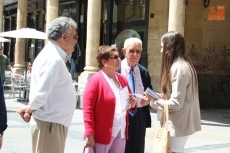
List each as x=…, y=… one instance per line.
x=210, y=124
x=207, y=147
x=216, y=115
x=11, y=111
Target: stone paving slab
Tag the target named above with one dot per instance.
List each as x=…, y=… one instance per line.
x=214, y=137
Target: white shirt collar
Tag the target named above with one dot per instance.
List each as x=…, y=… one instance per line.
x=60, y=51
x=127, y=67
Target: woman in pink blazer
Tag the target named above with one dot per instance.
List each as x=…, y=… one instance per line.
x=106, y=101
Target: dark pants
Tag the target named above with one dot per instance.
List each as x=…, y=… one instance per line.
x=137, y=130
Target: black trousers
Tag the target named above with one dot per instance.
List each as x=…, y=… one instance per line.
x=137, y=130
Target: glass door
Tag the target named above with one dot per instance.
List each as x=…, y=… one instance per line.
x=122, y=19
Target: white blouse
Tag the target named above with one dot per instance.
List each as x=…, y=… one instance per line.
x=119, y=121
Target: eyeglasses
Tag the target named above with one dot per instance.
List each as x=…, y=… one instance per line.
x=115, y=57
x=133, y=51
x=75, y=37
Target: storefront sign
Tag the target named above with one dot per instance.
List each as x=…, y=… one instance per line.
x=216, y=13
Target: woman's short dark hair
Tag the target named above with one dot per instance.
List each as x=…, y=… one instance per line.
x=105, y=52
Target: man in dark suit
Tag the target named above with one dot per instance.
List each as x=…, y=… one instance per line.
x=141, y=80
x=3, y=116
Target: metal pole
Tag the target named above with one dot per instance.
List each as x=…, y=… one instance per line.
x=26, y=59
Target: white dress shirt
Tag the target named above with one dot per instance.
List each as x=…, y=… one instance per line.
x=139, y=87
x=52, y=94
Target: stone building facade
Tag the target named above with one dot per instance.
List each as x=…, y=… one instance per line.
x=204, y=23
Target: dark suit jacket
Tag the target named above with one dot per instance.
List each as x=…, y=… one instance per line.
x=146, y=80
x=3, y=116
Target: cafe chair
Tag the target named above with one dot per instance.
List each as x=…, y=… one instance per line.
x=8, y=82
x=18, y=85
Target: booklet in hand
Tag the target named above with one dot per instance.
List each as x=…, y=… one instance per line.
x=124, y=95
x=151, y=93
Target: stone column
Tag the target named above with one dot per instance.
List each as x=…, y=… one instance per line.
x=1, y=14
x=20, y=48
x=51, y=11
x=121, y=17
x=92, y=44
x=176, y=16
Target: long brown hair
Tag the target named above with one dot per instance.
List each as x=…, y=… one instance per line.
x=173, y=48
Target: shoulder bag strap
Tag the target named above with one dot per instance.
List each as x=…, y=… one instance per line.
x=165, y=117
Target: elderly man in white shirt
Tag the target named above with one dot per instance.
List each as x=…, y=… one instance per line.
x=52, y=95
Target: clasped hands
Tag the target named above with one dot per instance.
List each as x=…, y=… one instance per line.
x=25, y=113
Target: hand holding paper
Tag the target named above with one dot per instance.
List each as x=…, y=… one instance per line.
x=127, y=100
x=151, y=93
x=132, y=101
x=144, y=99
x=139, y=96
x=124, y=93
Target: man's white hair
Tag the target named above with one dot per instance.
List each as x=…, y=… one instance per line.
x=132, y=40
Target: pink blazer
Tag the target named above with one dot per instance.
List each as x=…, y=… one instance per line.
x=99, y=106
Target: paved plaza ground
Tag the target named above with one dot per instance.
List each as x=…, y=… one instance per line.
x=214, y=137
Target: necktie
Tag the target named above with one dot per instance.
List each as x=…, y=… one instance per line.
x=132, y=86
x=131, y=80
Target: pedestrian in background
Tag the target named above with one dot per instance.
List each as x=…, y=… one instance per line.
x=141, y=81
x=105, y=99
x=52, y=99
x=3, y=114
x=74, y=59
x=4, y=63
x=27, y=73
x=178, y=88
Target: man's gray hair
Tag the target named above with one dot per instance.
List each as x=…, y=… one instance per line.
x=59, y=26
x=132, y=40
